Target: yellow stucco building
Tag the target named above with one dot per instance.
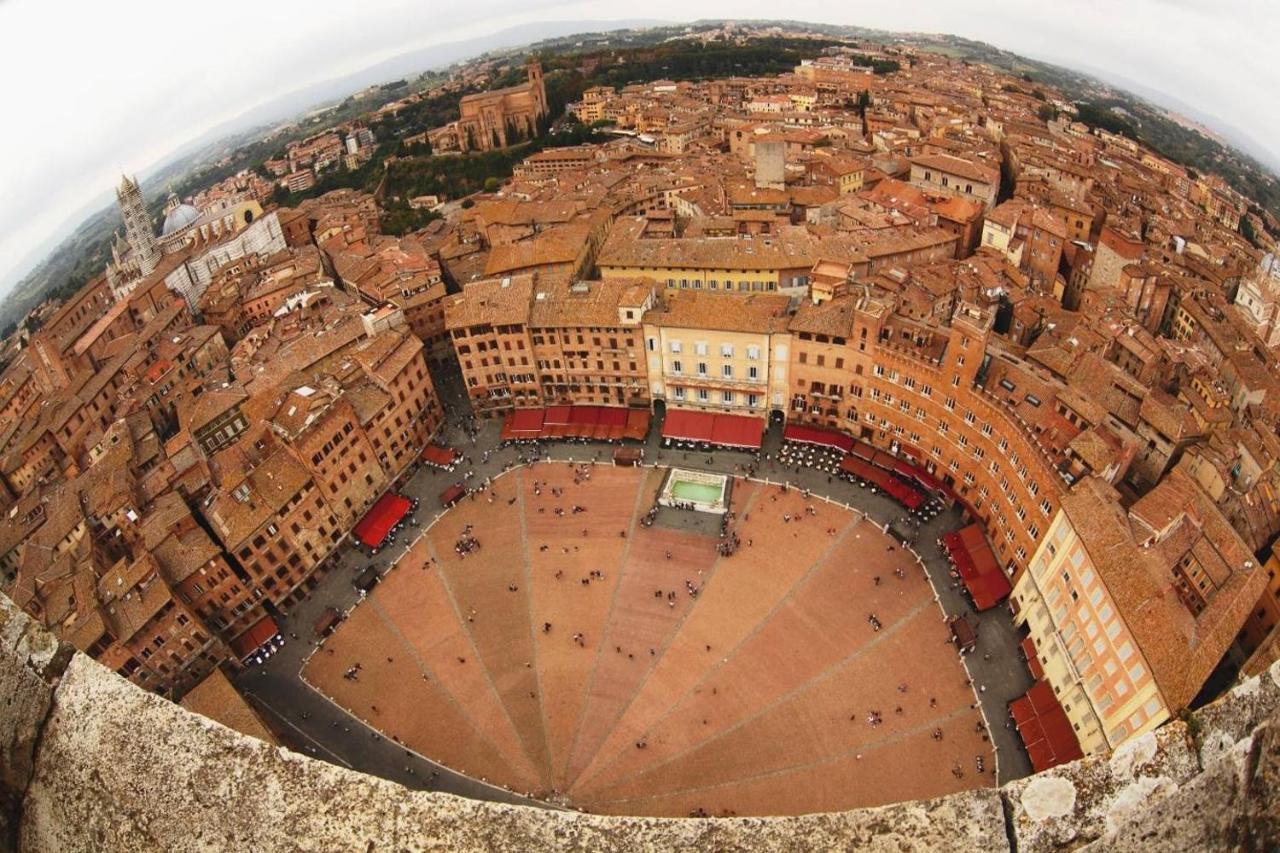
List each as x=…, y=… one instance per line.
x=708, y=353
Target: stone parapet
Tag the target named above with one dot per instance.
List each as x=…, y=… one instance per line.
x=31, y=661
x=91, y=762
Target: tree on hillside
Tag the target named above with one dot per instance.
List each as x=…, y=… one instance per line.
x=1247, y=231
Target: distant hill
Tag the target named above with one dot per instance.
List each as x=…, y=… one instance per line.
x=411, y=64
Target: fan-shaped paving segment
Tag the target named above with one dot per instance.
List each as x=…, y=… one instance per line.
x=751, y=697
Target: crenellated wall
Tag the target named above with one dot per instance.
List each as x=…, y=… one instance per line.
x=88, y=762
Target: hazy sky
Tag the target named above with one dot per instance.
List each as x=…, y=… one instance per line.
x=93, y=88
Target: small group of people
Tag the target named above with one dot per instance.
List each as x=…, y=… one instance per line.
x=728, y=544
x=529, y=453
x=556, y=491
x=669, y=596
x=729, y=541
x=467, y=543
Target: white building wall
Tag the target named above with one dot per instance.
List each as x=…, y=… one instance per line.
x=261, y=238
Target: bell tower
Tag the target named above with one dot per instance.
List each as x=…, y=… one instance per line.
x=137, y=225
x=537, y=87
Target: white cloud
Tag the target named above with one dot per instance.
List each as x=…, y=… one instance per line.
x=95, y=88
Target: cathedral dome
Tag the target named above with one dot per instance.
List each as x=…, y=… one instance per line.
x=181, y=217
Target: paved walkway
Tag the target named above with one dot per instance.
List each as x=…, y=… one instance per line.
x=314, y=725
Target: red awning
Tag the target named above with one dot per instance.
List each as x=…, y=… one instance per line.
x=904, y=495
x=880, y=459
x=1044, y=728
x=637, y=424
x=974, y=538
x=737, y=431
x=988, y=590
x=1061, y=735
x=964, y=565
x=962, y=632
x=863, y=450
x=857, y=467
x=725, y=430
x=527, y=421
x=1030, y=730
x=600, y=423
x=452, y=494
x=684, y=425
x=254, y=638
x=821, y=437
x=977, y=565
x=441, y=457
x=984, y=559
x=1021, y=710
x=899, y=491
x=932, y=483
x=1041, y=754
x=1033, y=662
x=372, y=530
x=557, y=414
x=883, y=480
x=612, y=415
x=1042, y=697
x=628, y=455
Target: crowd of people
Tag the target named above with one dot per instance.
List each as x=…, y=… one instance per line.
x=729, y=541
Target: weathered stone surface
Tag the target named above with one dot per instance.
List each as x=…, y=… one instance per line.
x=1230, y=806
x=29, y=658
x=120, y=769
x=1077, y=803
x=1048, y=797
x=1219, y=726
